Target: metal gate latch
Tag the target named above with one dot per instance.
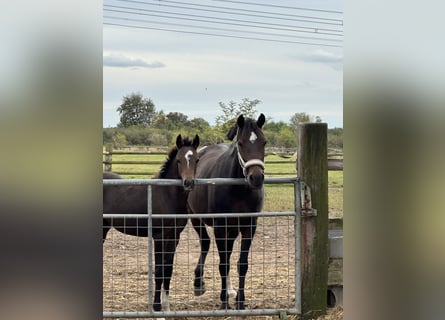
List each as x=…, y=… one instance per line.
x=306, y=202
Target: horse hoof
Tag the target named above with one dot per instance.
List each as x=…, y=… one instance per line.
x=225, y=307
x=231, y=292
x=199, y=291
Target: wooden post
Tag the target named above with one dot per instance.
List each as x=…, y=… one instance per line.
x=108, y=156
x=312, y=168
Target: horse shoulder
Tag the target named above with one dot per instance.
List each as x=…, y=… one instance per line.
x=211, y=160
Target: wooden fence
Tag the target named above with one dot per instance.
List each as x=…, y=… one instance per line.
x=335, y=160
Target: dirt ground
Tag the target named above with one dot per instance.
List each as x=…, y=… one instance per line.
x=270, y=281
x=269, y=285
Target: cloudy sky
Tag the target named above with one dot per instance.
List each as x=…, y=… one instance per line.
x=187, y=56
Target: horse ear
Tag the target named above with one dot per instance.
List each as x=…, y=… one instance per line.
x=232, y=133
x=179, y=141
x=261, y=120
x=240, y=121
x=234, y=129
x=195, y=142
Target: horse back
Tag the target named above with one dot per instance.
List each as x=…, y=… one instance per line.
x=208, y=159
x=110, y=175
x=133, y=199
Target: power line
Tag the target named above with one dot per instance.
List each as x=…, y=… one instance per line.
x=222, y=21
x=283, y=7
x=282, y=16
x=226, y=19
x=221, y=35
x=217, y=29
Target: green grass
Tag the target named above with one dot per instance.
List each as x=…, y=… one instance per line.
x=280, y=197
x=131, y=169
x=335, y=188
x=287, y=165
x=277, y=197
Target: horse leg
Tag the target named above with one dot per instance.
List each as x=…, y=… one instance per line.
x=204, y=240
x=159, y=273
x=243, y=263
x=230, y=291
x=224, y=242
x=169, y=256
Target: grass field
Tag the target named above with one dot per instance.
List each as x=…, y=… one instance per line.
x=278, y=197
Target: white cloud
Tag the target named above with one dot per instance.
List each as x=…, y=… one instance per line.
x=320, y=56
x=121, y=61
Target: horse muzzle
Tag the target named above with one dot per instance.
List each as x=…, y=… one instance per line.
x=253, y=170
x=255, y=179
x=188, y=184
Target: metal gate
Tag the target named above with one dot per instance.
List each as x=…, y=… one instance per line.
x=273, y=282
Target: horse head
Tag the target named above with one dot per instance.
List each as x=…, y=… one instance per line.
x=187, y=159
x=250, y=146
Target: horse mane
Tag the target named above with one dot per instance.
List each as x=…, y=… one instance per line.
x=171, y=157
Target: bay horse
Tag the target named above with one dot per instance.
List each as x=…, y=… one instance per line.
x=243, y=158
x=121, y=199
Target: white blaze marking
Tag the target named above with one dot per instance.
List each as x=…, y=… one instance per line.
x=187, y=157
x=164, y=300
x=253, y=137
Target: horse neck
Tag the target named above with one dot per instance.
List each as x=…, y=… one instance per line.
x=169, y=169
x=169, y=199
x=237, y=170
x=172, y=171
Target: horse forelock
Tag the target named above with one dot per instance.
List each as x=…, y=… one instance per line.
x=186, y=142
x=250, y=125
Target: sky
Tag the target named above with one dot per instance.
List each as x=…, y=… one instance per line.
x=187, y=56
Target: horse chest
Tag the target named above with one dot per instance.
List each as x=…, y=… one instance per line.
x=236, y=200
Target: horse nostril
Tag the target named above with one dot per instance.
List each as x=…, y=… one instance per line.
x=256, y=180
x=188, y=184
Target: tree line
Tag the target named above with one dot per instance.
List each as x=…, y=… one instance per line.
x=141, y=124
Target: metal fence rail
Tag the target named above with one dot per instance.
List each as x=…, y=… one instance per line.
x=274, y=224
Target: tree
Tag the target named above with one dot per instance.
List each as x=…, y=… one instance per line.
x=276, y=126
x=232, y=110
x=335, y=138
x=302, y=117
x=135, y=110
x=199, y=124
x=298, y=118
x=279, y=134
x=159, y=120
x=176, y=120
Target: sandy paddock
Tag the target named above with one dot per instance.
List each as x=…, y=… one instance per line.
x=270, y=282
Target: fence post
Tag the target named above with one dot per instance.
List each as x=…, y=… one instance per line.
x=108, y=156
x=312, y=168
